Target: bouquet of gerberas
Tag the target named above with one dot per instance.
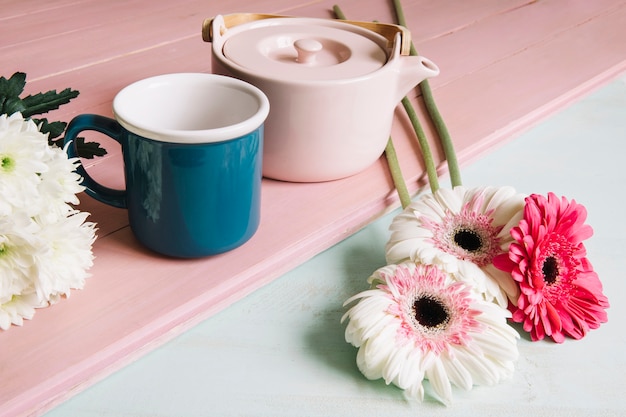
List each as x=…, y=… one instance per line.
x=462, y=262
x=45, y=244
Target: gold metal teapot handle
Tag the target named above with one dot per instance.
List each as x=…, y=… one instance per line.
x=386, y=30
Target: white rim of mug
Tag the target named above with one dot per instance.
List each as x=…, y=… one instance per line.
x=199, y=136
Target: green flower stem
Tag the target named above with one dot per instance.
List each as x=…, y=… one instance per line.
x=338, y=12
x=429, y=162
x=444, y=135
x=396, y=174
x=433, y=112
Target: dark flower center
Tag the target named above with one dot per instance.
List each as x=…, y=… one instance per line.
x=468, y=240
x=430, y=312
x=550, y=270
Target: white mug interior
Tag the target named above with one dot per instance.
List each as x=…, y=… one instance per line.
x=191, y=108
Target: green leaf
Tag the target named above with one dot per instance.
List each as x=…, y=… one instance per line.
x=44, y=102
x=13, y=105
x=10, y=102
x=14, y=86
x=89, y=150
x=10, y=91
x=53, y=129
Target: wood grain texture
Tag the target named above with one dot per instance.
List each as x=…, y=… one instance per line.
x=505, y=65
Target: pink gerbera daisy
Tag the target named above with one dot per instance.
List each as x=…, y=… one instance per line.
x=418, y=323
x=460, y=230
x=561, y=295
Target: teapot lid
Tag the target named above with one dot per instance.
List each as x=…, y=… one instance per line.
x=303, y=49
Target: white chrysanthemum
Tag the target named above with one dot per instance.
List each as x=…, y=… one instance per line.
x=461, y=230
x=19, y=245
x=45, y=244
x=63, y=265
x=420, y=323
x=18, y=308
x=60, y=183
x=22, y=151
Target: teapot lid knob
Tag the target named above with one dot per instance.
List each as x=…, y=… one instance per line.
x=307, y=48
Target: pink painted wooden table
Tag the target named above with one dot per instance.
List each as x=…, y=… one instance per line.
x=505, y=65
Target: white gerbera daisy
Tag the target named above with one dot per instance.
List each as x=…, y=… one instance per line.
x=419, y=323
x=461, y=230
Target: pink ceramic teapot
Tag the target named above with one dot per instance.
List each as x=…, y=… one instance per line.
x=332, y=85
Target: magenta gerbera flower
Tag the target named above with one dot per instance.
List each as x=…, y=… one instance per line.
x=561, y=295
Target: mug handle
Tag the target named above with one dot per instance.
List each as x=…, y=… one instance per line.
x=109, y=127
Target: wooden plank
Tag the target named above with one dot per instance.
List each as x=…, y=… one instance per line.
x=573, y=55
x=136, y=299
x=18, y=10
x=509, y=33
x=430, y=19
x=142, y=28
x=96, y=32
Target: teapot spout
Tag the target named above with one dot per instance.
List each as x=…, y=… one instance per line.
x=413, y=70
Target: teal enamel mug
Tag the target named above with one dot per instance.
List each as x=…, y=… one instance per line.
x=192, y=147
